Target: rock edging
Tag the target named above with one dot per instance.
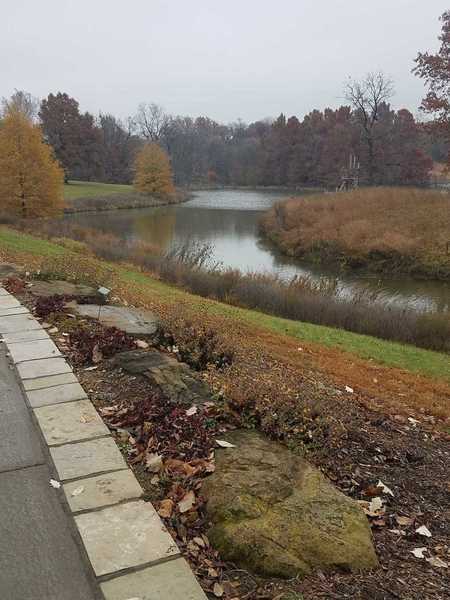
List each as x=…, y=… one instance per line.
x=131, y=552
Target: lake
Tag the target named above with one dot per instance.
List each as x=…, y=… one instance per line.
x=228, y=220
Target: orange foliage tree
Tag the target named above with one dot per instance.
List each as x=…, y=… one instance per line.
x=153, y=173
x=31, y=179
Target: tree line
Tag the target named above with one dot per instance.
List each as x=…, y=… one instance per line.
x=389, y=146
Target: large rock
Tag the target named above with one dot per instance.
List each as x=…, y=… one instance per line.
x=275, y=514
x=174, y=379
x=130, y=320
x=63, y=288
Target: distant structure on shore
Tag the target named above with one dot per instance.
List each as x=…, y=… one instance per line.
x=350, y=175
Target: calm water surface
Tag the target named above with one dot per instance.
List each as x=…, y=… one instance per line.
x=228, y=220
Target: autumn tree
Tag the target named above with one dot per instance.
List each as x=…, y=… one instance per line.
x=367, y=98
x=153, y=173
x=22, y=102
x=434, y=69
x=31, y=179
x=73, y=135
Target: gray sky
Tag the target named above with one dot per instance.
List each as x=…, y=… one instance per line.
x=231, y=59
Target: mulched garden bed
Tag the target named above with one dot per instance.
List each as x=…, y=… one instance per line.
x=171, y=449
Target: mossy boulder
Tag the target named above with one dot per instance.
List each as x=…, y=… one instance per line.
x=275, y=514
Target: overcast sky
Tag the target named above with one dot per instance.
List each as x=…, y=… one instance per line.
x=227, y=59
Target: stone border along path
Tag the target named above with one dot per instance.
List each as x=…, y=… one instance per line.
x=132, y=554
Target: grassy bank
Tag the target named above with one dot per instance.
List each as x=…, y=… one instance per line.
x=89, y=196
x=300, y=299
x=384, y=230
x=67, y=263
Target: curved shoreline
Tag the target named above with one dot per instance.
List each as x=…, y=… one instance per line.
x=119, y=202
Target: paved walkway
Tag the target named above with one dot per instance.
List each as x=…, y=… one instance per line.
x=40, y=556
x=92, y=538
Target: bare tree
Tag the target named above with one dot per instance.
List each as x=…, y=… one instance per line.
x=23, y=102
x=366, y=97
x=151, y=121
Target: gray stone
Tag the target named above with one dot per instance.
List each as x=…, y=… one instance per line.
x=8, y=302
x=3, y=292
x=16, y=323
x=18, y=310
x=43, y=368
x=20, y=446
x=275, y=514
x=38, y=349
x=103, y=490
x=26, y=336
x=62, y=288
x=124, y=536
x=39, y=556
x=9, y=270
x=87, y=458
x=130, y=320
x=172, y=580
x=70, y=422
x=174, y=379
x=56, y=395
x=50, y=381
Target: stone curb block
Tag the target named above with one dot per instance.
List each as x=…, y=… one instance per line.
x=120, y=532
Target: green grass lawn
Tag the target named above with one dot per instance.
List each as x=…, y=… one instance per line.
x=92, y=189
x=410, y=358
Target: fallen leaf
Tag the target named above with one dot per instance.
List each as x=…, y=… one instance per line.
x=199, y=541
x=166, y=508
x=422, y=530
x=86, y=419
x=89, y=368
x=435, y=561
x=404, y=521
x=375, y=504
x=349, y=390
x=77, y=491
x=141, y=344
x=212, y=572
x=418, y=552
x=191, y=411
x=224, y=444
x=218, y=590
x=154, y=480
x=413, y=421
x=153, y=462
x=187, y=502
x=55, y=484
x=385, y=488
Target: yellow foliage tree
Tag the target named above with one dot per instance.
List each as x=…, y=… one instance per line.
x=153, y=173
x=31, y=180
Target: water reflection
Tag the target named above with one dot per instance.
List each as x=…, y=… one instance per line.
x=229, y=221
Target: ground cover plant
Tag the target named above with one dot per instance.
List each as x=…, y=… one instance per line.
x=393, y=230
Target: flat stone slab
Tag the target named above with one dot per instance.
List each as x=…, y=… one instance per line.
x=172, y=580
x=49, y=381
x=26, y=336
x=43, y=368
x=39, y=557
x=9, y=301
x=70, y=422
x=23, y=351
x=20, y=444
x=17, y=310
x=175, y=379
x=124, y=536
x=15, y=323
x=56, y=395
x=130, y=320
x=101, y=491
x=62, y=288
x=3, y=292
x=87, y=458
